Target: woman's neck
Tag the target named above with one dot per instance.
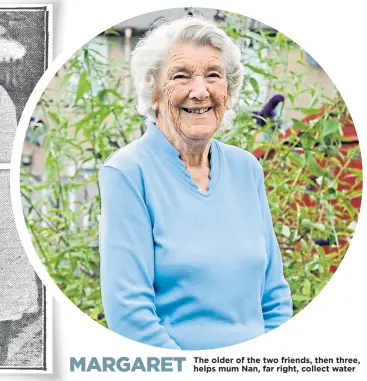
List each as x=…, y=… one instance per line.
x=195, y=159
x=193, y=152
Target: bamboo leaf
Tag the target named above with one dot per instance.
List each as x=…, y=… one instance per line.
x=84, y=86
x=330, y=127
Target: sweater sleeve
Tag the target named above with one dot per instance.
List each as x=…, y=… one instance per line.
x=127, y=262
x=277, y=303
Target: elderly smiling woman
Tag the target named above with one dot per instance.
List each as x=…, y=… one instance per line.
x=189, y=258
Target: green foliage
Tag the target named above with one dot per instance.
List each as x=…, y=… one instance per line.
x=87, y=118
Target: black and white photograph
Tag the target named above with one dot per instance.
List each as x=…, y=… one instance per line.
x=22, y=296
x=24, y=57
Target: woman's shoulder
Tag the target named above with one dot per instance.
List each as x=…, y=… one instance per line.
x=128, y=160
x=238, y=156
x=242, y=164
x=132, y=155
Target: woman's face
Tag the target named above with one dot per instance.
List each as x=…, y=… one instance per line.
x=192, y=91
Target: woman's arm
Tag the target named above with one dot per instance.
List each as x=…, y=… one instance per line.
x=127, y=262
x=277, y=303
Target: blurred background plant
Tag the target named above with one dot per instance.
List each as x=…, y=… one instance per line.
x=304, y=138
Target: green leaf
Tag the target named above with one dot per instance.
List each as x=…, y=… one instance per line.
x=300, y=126
x=309, y=110
x=330, y=127
x=112, y=32
x=72, y=287
x=296, y=159
x=261, y=71
x=315, y=167
x=83, y=123
x=54, y=117
x=312, y=225
x=102, y=95
x=84, y=86
x=308, y=141
x=51, y=168
x=307, y=223
x=59, y=278
x=315, y=98
x=255, y=85
x=301, y=298
x=319, y=226
x=256, y=37
x=306, y=287
x=304, y=245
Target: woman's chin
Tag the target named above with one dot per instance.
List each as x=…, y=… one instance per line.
x=199, y=132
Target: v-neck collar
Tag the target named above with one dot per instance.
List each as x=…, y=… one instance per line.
x=163, y=147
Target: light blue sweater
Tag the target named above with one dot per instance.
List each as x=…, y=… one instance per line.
x=183, y=269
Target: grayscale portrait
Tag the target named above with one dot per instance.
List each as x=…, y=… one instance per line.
x=24, y=46
x=22, y=295
x=23, y=59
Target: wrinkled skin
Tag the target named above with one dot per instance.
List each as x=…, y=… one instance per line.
x=192, y=76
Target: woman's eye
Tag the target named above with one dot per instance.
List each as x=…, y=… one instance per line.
x=214, y=75
x=180, y=76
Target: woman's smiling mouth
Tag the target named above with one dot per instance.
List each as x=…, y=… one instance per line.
x=196, y=110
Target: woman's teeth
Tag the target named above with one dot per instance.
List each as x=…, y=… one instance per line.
x=197, y=110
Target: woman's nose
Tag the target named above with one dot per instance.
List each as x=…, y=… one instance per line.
x=199, y=89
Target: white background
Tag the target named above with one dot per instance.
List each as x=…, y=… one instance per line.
x=334, y=324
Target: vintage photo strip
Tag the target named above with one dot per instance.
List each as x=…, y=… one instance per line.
x=25, y=307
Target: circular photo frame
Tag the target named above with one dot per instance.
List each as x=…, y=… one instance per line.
x=191, y=178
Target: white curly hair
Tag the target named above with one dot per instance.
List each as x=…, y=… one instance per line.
x=150, y=51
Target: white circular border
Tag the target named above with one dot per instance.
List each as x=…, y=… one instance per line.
x=254, y=10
